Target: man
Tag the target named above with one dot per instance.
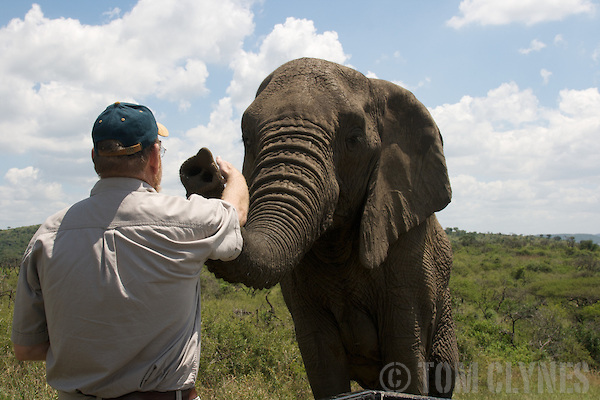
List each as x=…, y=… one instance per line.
x=109, y=291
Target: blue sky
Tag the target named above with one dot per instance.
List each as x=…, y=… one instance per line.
x=512, y=84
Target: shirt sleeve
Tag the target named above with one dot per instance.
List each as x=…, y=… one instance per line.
x=29, y=319
x=226, y=239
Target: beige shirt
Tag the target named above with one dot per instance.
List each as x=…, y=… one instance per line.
x=113, y=283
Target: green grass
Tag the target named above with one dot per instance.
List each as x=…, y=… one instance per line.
x=248, y=346
x=18, y=380
x=497, y=381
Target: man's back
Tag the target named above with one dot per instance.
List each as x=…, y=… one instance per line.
x=119, y=273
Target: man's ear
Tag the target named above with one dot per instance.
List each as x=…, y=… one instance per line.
x=154, y=161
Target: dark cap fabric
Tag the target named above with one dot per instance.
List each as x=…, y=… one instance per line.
x=131, y=124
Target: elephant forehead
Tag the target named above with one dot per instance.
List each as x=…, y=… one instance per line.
x=320, y=95
x=281, y=105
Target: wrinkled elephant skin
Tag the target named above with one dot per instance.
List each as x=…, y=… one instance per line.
x=345, y=175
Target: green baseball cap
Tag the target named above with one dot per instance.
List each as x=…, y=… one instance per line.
x=131, y=124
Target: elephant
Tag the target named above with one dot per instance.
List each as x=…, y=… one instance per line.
x=345, y=175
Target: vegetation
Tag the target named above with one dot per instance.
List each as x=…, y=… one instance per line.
x=527, y=314
x=13, y=243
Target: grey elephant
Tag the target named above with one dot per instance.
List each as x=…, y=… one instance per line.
x=345, y=174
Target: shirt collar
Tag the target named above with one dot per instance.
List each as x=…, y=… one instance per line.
x=121, y=184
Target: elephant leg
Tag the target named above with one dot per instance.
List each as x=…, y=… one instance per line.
x=405, y=335
x=319, y=341
x=324, y=359
x=403, y=367
x=444, y=354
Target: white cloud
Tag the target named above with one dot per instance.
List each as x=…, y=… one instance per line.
x=24, y=190
x=580, y=103
x=113, y=13
x=421, y=84
x=535, y=45
x=185, y=82
x=528, y=12
x=55, y=71
x=559, y=40
x=222, y=131
x=14, y=175
x=545, y=75
x=293, y=39
x=511, y=159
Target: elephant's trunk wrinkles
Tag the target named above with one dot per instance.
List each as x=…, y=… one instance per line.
x=290, y=206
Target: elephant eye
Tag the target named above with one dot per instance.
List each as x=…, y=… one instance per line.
x=354, y=139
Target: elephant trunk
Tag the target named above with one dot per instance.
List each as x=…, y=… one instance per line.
x=290, y=206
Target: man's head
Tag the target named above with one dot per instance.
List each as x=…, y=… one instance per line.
x=126, y=143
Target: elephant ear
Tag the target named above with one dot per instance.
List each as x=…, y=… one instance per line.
x=411, y=180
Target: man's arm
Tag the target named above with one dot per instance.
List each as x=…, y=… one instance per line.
x=36, y=352
x=236, y=189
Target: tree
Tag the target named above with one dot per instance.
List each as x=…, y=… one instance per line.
x=588, y=245
x=516, y=305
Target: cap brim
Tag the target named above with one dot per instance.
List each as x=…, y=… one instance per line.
x=162, y=130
